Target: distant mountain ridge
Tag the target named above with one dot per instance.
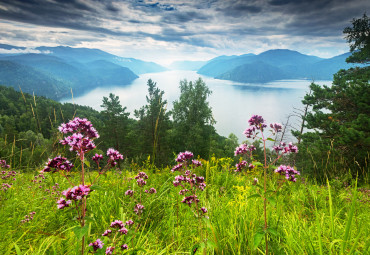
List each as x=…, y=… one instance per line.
x=274, y=65
x=54, y=71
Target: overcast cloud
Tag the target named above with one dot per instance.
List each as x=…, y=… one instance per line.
x=168, y=30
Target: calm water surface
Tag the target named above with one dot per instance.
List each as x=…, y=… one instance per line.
x=232, y=103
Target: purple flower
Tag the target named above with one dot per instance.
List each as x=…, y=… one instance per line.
x=184, y=156
x=97, y=158
x=107, y=232
x=178, y=167
x=255, y=181
x=241, y=149
x=78, y=143
x=82, y=126
x=3, y=164
x=129, y=223
x=58, y=163
x=183, y=191
x=114, y=155
x=276, y=127
x=241, y=165
x=141, y=175
x=257, y=121
x=123, y=231
x=204, y=210
x=109, y=250
x=151, y=191
x=250, y=132
x=288, y=171
x=117, y=224
x=124, y=247
x=63, y=203
x=141, y=182
x=98, y=244
x=77, y=192
x=197, y=163
x=190, y=199
x=129, y=192
x=139, y=209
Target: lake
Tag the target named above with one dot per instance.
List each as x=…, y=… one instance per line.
x=232, y=103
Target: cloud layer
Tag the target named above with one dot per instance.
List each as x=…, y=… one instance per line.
x=204, y=28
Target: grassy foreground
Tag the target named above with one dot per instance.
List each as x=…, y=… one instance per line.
x=305, y=218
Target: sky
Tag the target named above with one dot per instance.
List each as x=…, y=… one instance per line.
x=170, y=30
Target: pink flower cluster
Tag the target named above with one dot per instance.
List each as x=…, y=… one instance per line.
x=114, y=155
x=244, y=149
x=243, y=164
x=8, y=174
x=182, y=159
x=288, y=171
x=184, y=156
x=28, y=218
x=97, y=158
x=121, y=228
x=98, y=244
x=57, y=163
x=76, y=193
x=286, y=149
x=192, y=179
x=139, y=208
x=141, y=177
x=3, y=164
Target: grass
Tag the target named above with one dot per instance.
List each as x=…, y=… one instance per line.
x=306, y=218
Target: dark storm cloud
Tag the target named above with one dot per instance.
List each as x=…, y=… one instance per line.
x=190, y=22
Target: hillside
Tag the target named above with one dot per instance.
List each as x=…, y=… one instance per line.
x=273, y=65
x=54, y=71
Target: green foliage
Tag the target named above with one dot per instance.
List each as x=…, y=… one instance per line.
x=193, y=120
x=301, y=222
x=153, y=125
x=358, y=36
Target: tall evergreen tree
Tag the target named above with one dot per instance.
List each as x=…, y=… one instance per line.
x=153, y=124
x=193, y=120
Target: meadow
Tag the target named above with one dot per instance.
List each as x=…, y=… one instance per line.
x=196, y=207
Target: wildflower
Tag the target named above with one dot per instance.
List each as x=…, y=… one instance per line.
x=98, y=244
x=141, y=182
x=241, y=149
x=257, y=121
x=124, y=247
x=109, y=250
x=196, y=163
x=139, y=209
x=58, y=163
x=184, y=156
x=117, y=224
x=3, y=164
x=141, y=175
x=107, y=232
x=77, y=192
x=276, y=127
x=250, y=132
x=114, y=155
x=129, y=192
x=240, y=166
x=288, y=171
x=123, y=231
x=63, y=203
x=204, y=210
x=183, y=191
x=82, y=126
x=151, y=191
x=129, y=222
x=97, y=158
x=178, y=167
x=190, y=199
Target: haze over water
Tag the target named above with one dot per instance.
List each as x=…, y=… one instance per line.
x=232, y=103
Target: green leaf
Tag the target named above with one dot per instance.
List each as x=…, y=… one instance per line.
x=254, y=195
x=272, y=200
x=273, y=231
x=17, y=249
x=258, y=238
x=270, y=139
x=80, y=231
x=87, y=163
x=257, y=163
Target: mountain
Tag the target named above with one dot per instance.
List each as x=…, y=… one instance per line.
x=30, y=80
x=54, y=71
x=254, y=72
x=85, y=55
x=187, y=65
x=273, y=65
